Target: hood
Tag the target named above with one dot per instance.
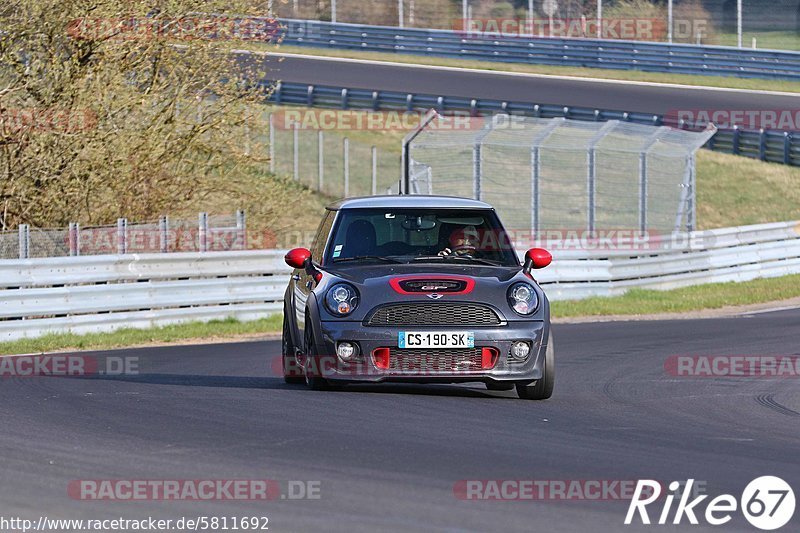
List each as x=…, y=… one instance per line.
x=385, y=283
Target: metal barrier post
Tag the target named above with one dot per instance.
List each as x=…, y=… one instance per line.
x=737, y=133
x=24, y=241
x=74, y=239
x=202, y=233
x=241, y=228
x=122, y=236
x=163, y=233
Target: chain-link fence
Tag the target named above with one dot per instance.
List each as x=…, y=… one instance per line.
x=329, y=161
x=208, y=233
x=759, y=23
x=560, y=174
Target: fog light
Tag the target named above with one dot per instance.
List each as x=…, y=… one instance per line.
x=520, y=350
x=346, y=351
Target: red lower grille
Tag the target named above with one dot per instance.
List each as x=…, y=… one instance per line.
x=434, y=361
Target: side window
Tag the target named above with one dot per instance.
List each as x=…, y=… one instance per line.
x=318, y=247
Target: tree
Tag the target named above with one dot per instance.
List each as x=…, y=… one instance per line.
x=123, y=107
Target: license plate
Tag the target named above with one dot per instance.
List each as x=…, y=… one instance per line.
x=436, y=339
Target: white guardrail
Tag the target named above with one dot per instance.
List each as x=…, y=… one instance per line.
x=104, y=293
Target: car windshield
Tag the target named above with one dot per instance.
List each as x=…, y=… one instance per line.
x=420, y=236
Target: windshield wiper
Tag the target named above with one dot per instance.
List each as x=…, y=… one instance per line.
x=368, y=258
x=459, y=258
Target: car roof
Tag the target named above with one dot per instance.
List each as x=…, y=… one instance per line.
x=408, y=201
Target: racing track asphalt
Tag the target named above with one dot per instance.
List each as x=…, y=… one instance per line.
x=593, y=94
x=388, y=456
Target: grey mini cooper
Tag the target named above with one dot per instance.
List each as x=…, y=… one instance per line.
x=421, y=289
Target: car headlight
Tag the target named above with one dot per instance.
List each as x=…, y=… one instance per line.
x=522, y=298
x=341, y=299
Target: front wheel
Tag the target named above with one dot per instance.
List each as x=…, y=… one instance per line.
x=288, y=357
x=310, y=371
x=542, y=389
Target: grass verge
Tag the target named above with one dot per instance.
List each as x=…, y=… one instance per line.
x=584, y=72
x=697, y=298
x=737, y=191
x=206, y=331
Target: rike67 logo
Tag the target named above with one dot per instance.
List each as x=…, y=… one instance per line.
x=767, y=503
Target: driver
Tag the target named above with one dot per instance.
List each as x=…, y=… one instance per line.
x=463, y=242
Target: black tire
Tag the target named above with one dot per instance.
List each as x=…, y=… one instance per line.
x=288, y=355
x=312, y=381
x=499, y=386
x=541, y=389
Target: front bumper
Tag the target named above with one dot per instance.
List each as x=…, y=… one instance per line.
x=368, y=339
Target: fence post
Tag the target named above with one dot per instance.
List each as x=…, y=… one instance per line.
x=592, y=170
x=476, y=170
x=241, y=228
x=163, y=233
x=246, y=135
x=535, y=172
x=74, y=239
x=643, y=191
x=296, y=152
x=374, y=171
x=591, y=179
x=346, y=167
x=122, y=236
x=692, y=212
x=477, y=157
x=271, y=144
x=737, y=133
x=24, y=241
x=202, y=232
x=762, y=145
x=321, y=158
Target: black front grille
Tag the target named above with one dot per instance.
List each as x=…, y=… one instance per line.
x=435, y=360
x=434, y=314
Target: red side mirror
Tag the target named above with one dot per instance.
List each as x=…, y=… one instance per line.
x=298, y=257
x=537, y=258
